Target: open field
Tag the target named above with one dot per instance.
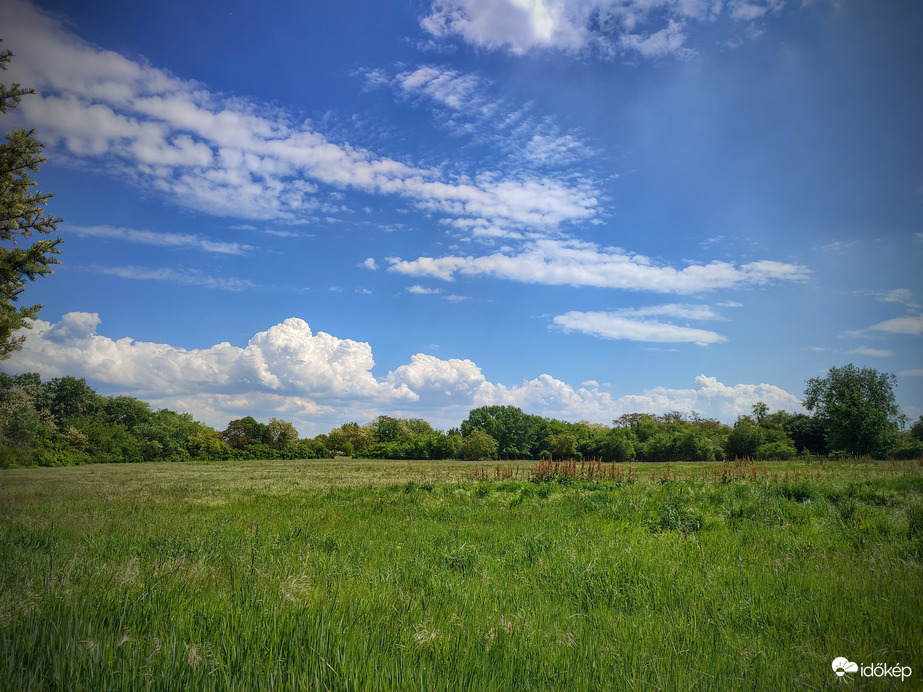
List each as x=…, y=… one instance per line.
x=356, y=574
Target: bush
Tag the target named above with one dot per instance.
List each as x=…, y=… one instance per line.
x=783, y=450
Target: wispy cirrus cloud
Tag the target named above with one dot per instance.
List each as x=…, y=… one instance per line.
x=873, y=352
x=187, y=277
x=467, y=105
x=162, y=239
x=577, y=263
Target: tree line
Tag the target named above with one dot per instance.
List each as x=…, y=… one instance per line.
x=64, y=422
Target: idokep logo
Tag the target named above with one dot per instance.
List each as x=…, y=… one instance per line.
x=841, y=666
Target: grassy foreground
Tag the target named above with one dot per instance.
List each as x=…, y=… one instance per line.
x=445, y=576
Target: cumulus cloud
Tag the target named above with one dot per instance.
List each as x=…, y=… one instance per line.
x=714, y=398
x=454, y=379
x=649, y=28
x=320, y=381
x=576, y=263
x=287, y=359
x=230, y=157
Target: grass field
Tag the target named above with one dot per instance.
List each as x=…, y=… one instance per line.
x=357, y=574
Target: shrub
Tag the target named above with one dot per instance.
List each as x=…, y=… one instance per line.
x=782, y=450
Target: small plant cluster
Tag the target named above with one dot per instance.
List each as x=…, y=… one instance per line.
x=594, y=469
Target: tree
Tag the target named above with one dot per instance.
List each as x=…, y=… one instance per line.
x=238, y=434
x=515, y=432
x=350, y=437
x=562, y=445
x=478, y=445
x=916, y=430
x=69, y=397
x=21, y=214
x=281, y=433
x=857, y=408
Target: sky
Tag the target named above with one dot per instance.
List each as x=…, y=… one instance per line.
x=326, y=212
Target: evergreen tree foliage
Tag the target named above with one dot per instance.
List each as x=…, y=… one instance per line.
x=22, y=213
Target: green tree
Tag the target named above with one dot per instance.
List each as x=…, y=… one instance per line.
x=349, y=438
x=238, y=434
x=127, y=410
x=281, y=433
x=516, y=433
x=916, y=430
x=562, y=445
x=744, y=439
x=478, y=445
x=205, y=443
x=69, y=397
x=619, y=444
x=857, y=408
x=806, y=432
x=22, y=213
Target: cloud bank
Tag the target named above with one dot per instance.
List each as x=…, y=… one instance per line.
x=320, y=381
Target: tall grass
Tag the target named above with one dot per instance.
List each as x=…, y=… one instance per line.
x=427, y=576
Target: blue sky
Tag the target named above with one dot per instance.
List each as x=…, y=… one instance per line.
x=327, y=211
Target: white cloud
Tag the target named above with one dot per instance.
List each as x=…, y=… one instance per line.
x=873, y=352
x=518, y=25
x=667, y=41
x=912, y=373
x=319, y=381
x=576, y=263
x=162, y=238
x=839, y=245
x=447, y=88
x=287, y=359
x=467, y=105
x=187, y=277
x=457, y=380
x=423, y=291
x=650, y=28
x=899, y=295
x=626, y=324
x=229, y=157
x=911, y=324
x=370, y=263
x=712, y=398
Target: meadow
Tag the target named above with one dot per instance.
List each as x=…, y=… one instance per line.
x=356, y=574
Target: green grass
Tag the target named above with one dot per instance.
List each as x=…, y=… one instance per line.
x=446, y=575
